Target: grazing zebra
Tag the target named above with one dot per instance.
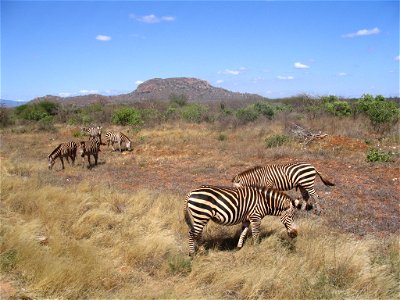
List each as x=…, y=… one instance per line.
x=92, y=132
x=284, y=177
x=63, y=150
x=87, y=148
x=119, y=138
x=230, y=206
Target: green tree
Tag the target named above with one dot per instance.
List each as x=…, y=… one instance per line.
x=127, y=116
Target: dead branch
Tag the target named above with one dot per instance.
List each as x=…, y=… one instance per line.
x=306, y=136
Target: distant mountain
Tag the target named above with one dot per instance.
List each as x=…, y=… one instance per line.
x=10, y=103
x=157, y=89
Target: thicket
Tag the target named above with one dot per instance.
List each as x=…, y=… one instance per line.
x=382, y=113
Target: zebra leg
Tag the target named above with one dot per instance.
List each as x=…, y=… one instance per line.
x=306, y=196
x=62, y=162
x=120, y=146
x=96, y=156
x=245, y=229
x=88, y=157
x=255, y=230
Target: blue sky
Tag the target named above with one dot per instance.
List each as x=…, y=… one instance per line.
x=272, y=48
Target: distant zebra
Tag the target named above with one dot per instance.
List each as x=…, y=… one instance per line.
x=92, y=131
x=87, y=148
x=67, y=150
x=284, y=177
x=119, y=138
x=230, y=206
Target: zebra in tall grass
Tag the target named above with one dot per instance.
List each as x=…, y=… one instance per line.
x=67, y=150
x=230, y=206
x=119, y=138
x=284, y=177
x=88, y=148
x=92, y=132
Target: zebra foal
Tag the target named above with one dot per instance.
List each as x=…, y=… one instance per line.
x=67, y=150
x=88, y=148
x=230, y=206
x=92, y=132
x=118, y=138
x=284, y=177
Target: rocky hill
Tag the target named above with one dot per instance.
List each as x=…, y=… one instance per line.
x=157, y=89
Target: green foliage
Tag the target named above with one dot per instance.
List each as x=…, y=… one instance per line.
x=36, y=111
x=376, y=155
x=127, y=116
x=221, y=137
x=338, y=108
x=179, y=100
x=194, y=113
x=5, y=117
x=247, y=114
x=276, y=140
x=179, y=265
x=379, y=111
x=265, y=109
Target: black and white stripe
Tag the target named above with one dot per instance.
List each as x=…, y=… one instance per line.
x=88, y=148
x=92, y=132
x=118, y=138
x=67, y=150
x=230, y=206
x=284, y=177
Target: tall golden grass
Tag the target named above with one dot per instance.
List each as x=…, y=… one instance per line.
x=75, y=236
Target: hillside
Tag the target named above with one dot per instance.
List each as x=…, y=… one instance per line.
x=158, y=89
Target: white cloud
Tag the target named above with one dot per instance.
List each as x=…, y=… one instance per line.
x=103, y=38
x=397, y=57
x=232, y=72
x=285, y=77
x=219, y=81
x=342, y=74
x=137, y=82
x=299, y=65
x=85, y=92
x=64, y=94
x=362, y=32
x=152, y=19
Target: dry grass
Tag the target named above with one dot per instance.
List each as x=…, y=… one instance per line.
x=103, y=233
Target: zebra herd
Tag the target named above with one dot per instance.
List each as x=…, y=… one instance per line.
x=256, y=192
x=88, y=148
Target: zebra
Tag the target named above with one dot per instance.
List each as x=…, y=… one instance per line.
x=63, y=150
x=230, y=206
x=92, y=132
x=284, y=177
x=119, y=138
x=87, y=148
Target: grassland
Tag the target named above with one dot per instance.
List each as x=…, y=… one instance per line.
x=116, y=231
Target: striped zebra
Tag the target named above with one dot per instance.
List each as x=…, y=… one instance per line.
x=284, y=177
x=230, y=206
x=88, y=148
x=119, y=138
x=92, y=132
x=67, y=150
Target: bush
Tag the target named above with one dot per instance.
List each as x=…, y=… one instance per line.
x=194, y=113
x=247, y=114
x=36, y=111
x=276, y=140
x=376, y=155
x=382, y=113
x=338, y=108
x=127, y=116
x=265, y=109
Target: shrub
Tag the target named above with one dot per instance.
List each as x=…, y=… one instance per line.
x=194, y=113
x=265, y=109
x=36, y=111
x=382, y=113
x=338, y=108
x=376, y=155
x=179, y=100
x=127, y=116
x=276, y=140
x=247, y=114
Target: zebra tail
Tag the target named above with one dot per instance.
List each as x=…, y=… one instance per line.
x=325, y=181
x=188, y=215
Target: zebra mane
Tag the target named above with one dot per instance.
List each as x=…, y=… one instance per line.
x=244, y=173
x=55, y=150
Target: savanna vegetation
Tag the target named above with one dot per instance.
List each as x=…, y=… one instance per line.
x=116, y=231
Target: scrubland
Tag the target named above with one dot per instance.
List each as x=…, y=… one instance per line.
x=116, y=231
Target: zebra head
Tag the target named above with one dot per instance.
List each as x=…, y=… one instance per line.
x=51, y=162
x=287, y=218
